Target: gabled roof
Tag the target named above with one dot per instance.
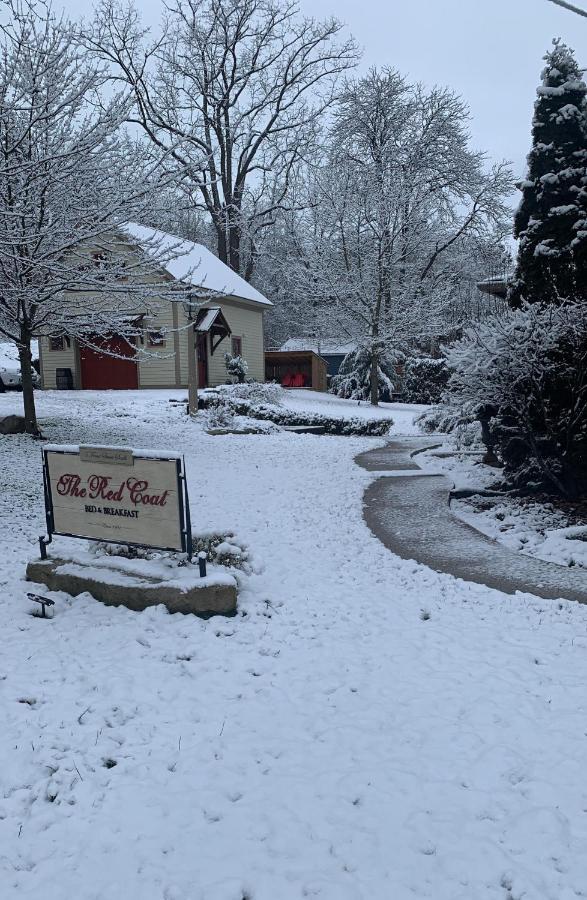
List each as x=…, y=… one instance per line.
x=194, y=263
x=209, y=316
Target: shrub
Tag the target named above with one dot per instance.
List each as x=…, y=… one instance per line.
x=446, y=419
x=241, y=406
x=425, y=379
x=524, y=377
x=256, y=392
x=236, y=367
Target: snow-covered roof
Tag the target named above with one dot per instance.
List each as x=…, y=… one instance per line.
x=496, y=284
x=330, y=347
x=212, y=317
x=208, y=318
x=194, y=263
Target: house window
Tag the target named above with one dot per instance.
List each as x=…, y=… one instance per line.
x=156, y=339
x=121, y=274
x=100, y=262
x=237, y=346
x=58, y=344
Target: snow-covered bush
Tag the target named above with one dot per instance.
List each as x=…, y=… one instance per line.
x=425, y=379
x=223, y=549
x=236, y=367
x=226, y=398
x=439, y=419
x=221, y=417
x=257, y=392
x=524, y=377
x=447, y=419
x=353, y=381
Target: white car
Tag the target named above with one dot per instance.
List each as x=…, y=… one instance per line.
x=10, y=377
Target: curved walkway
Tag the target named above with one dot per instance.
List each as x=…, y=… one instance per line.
x=410, y=514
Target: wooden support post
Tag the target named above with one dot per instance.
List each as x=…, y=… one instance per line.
x=192, y=369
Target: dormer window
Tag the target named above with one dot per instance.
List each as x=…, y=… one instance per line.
x=59, y=343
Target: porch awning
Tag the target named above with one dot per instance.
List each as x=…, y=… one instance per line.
x=211, y=319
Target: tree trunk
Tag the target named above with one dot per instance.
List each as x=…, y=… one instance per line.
x=28, y=395
x=234, y=237
x=374, y=377
x=228, y=239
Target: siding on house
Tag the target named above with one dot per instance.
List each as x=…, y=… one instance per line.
x=160, y=369
x=167, y=366
x=245, y=322
x=51, y=360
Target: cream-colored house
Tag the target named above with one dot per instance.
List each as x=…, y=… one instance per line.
x=231, y=321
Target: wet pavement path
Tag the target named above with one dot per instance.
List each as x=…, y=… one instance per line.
x=410, y=514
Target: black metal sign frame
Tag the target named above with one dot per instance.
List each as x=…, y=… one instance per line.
x=185, y=522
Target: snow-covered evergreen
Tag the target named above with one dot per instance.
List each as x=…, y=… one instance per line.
x=425, y=379
x=550, y=221
x=236, y=367
x=353, y=381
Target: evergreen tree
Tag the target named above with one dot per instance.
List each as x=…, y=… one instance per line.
x=354, y=376
x=552, y=263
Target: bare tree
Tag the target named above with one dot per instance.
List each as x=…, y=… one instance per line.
x=570, y=6
x=67, y=182
x=380, y=253
x=234, y=92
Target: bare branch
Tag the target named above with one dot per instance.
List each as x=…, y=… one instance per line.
x=570, y=6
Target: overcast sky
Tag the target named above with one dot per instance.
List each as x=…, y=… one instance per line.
x=489, y=51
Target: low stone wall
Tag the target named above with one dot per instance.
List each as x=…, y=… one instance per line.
x=202, y=597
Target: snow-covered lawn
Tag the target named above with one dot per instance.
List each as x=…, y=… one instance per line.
x=364, y=729
x=402, y=413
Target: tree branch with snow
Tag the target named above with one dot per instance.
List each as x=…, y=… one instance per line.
x=68, y=181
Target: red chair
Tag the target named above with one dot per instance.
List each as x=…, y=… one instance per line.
x=287, y=380
x=298, y=380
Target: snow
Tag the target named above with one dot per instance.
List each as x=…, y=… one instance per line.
x=132, y=572
x=194, y=263
x=364, y=729
x=208, y=319
x=327, y=346
x=533, y=528
x=403, y=414
x=143, y=454
x=9, y=355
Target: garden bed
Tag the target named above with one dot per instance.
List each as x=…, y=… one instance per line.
x=263, y=403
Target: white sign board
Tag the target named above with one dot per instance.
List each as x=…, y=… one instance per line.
x=116, y=494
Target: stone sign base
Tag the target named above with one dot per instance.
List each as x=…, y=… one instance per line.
x=213, y=595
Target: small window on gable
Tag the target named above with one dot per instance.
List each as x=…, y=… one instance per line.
x=156, y=338
x=100, y=260
x=59, y=343
x=121, y=273
x=237, y=346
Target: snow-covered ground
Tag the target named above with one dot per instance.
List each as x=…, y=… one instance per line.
x=364, y=729
x=536, y=528
x=403, y=414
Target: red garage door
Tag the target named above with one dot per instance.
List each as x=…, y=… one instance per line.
x=102, y=372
